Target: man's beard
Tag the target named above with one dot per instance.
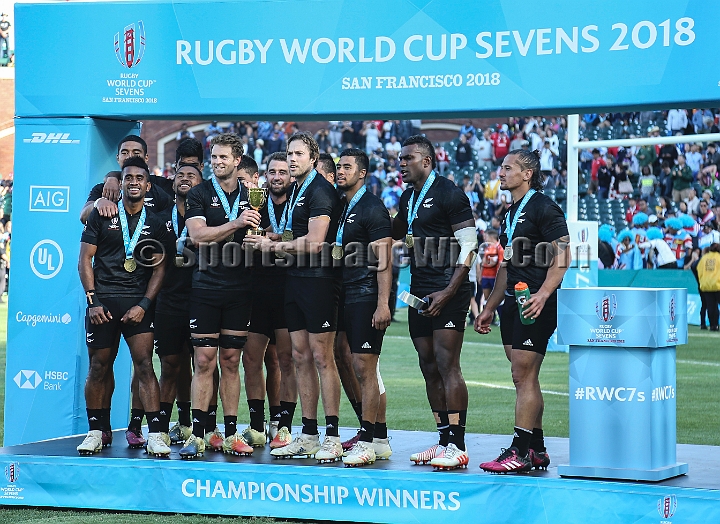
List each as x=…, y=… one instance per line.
x=278, y=191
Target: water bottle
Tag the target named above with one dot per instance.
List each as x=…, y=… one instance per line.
x=522, y=295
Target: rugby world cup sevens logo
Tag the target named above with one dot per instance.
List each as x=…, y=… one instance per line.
x=583, y=235
x=606, y=308
x=672, y=308
x=667, y=506
x=130, y=49
x=12, y=472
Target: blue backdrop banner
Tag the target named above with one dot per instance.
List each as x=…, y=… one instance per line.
x=328, y=57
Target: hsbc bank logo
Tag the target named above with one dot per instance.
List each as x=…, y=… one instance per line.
x=667, y=506
x=27, y=379
x=606, y=308
x=130, y=45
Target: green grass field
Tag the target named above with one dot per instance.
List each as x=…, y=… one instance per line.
x=492, y=398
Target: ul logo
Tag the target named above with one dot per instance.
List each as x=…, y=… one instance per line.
x=46, y=259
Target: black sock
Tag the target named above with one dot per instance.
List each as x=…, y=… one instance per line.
x=456, y=432
x=230, y=425
x=155, y=421
x=537, y=442
x=136, y=416
x=443, y=427
x=165, y=413
x=463, y=417
x=332, y=424
x=257, y=414
x=211, y=422
x=521, y=440
x=287, y=414
x=309, y=426
x=94, y=419
x=184, y=413
x=367, y=431
x=199, y=420
x=275, y=412
x=357, y=407
x=105, y=419
x=381, y=430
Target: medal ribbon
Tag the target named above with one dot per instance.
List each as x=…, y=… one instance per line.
x=273, y=221
x=231, y=213
x=130, y=243
x=341, y=227
x=511, y=228
x=182, y=237
x=412, y=213
x=290, y=207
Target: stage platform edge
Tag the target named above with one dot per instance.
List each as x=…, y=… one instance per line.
x=389, y=491
x=652, y=475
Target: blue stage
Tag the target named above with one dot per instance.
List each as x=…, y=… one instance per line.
x=51, y=474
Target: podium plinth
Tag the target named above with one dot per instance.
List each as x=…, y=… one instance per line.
x=622, y=380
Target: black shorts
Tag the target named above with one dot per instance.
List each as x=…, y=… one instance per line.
x=452, y=316
x=214, y=310
x=268, y=307
x=356, y=320
x=529, y=337
x=311, y=304
x=172, y=333
x=106, y=335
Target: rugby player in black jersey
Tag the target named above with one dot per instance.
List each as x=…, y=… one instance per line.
x=364, y=312
x=326, y=167
x=311, y=297
x=172, y=311
x=436, y=222
x=532, y=220
x=217, y=214
x=104, y=197
x=120, y=292
x=267, y=324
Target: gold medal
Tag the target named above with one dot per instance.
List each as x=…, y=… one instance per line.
x=409, y=241
x=287, y=235
x=508, y=253
x=130, y=265
x=179, y=261
x=337, y=252
x=230, y=237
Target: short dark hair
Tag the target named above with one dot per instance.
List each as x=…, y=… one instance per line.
x=361, y=158
x=247, y=163
x=596, y=150
x=328, y=163
x=189, y=147
x=231, y=140
x=136, y=161
x=424, y=144
x=529, y=160
x=133, y=138
x=278, y=156
x=307, y=139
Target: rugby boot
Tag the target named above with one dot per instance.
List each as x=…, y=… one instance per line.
x=158, y=445
x=236, y=445
x=424, y=457
x=194, y=447
x=382, y=449
x=452, y=458
x=361, y=454
x=508, y=462
x=179, y=433
x=539, y=459
x=92, y=443
x=214, y=440
x=282, y=439
x=254, y=438
x=302, y=446
x=135, y=438
x=330, y=451
x=272, y=430
x=350, y=443
x=107, y=438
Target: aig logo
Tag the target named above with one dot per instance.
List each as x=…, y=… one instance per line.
x=46, y=259
x=51, y=199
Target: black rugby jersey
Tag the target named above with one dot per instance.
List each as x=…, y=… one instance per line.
x=367, y=222
x=444, y=206
x=320, y=199
x=174, y=297
x=111, y=278
x=542, y=220
x=203, y=201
